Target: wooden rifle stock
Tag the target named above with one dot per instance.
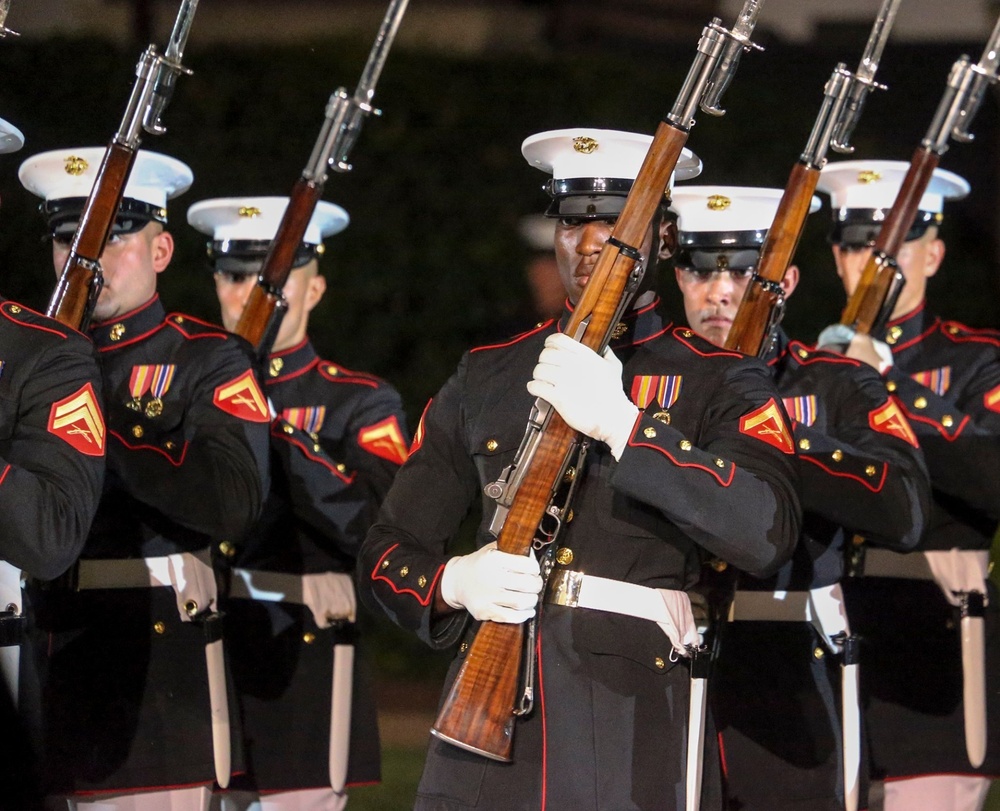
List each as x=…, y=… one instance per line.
x=80, y=281
x=866, y=302
x=751, y=326
x=260, y=317
x=477, y=713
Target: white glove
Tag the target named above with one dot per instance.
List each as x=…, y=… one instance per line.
x=835, y=338
x=586, y=389
x=493, y=585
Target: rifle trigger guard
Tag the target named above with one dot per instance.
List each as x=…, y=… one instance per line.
x=627, y=250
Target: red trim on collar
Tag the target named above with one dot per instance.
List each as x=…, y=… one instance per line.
x=282, y=352
x=129, y=314
x=431, y=588
x=217, y=333
x=307, y=452
x=291, y=375
x=131, y=341
x=907, y=316
x=10, y=317
x=842, y=475
x=516, y=339
x=907, y=344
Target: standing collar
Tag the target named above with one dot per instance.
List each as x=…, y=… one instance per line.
x=291, y=361
x=635, y=327
x=905, y=330
x=130, y=326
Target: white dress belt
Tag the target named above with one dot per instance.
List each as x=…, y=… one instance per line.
x=823, y=607
x=668, y=608
x=956, y=571
x=329, y=595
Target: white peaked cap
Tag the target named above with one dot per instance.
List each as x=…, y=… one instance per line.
x=871, y=184
x=70, y=173
x=727, y=210
x=11, y=138
x=584, y=152
x=258, y=218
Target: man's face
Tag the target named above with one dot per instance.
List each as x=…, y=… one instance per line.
x=711, y=299
x=578, y=243
x=918, y=259
x=130, y=263
x=303, y=290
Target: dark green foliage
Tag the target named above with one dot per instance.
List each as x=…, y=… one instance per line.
x=431, y=262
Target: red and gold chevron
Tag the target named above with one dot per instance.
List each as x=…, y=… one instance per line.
x=243, y=399
x=384, y=439
x=78, y=420
x=889, y=419
x=768, y=425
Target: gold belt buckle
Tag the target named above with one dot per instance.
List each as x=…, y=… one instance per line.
x=564, y=588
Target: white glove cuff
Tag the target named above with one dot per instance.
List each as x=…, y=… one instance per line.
x=447, y=584
x=621, y=430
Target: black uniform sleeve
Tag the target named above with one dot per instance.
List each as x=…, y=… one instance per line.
x=337, y=487
x=960, y=439
x=211, y=475
x=864, y=471
x=404, y=553
x=49, y=486
x=732, y=488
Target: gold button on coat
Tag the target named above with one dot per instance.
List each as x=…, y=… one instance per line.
x=421, y=581
x=659, y=663
x=160, y=627
x=870, y=470
x=685, y=445
x=837, y=455
x=308, y=637
x=650, y=432
x=818, y=653
x=491, y=444
x=947, y=421
x=404, y=571
x=920, y=402
x=804, y=444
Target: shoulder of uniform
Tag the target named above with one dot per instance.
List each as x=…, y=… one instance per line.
x=25, y=318
x=335, y=373
x=694, y=343
x=191, y=327
x=805, y=354
x=960, y=333
x=540, y=328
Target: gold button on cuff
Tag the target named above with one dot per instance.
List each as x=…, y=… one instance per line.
x=920, y=402
x=659, y=663
x=564, y=556
x=288, y=429
x=341, y=467
x=718, y=564
x=15, y=309
x=137, y=431
x=804, y=444
x=870, y=470
x=227, y=549
x=190, y=608
x=491, y=444
x=404, y=571
x=385, y=564
x=649, y=432
x=169, y=445
x=685, y=445
x=719, y=463
x=160, y=627
x=890, y=386
x=837, y=455
x=308, y=637
x=818, y=653
x=317, y=447
x=947, y=421
x=421, y=581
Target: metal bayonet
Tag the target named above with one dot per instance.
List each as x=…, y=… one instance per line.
x=4, y=11
x=169, y=67
x=725, y=68
x=345, y=114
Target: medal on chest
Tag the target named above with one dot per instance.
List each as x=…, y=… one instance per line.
x=150, y=379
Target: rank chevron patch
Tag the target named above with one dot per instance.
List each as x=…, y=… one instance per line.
x=384, y=439
x=992, y=399
x=77, y=419
x=801, y=409
x=418, y=437
x=889, y=419
x=937, y=380
x=243, y=399
x=768, y=425
x=662, y=389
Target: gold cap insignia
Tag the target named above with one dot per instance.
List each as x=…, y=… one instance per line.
x=718, y=202
x=869, y=176
x=585, y=145
x=722, y=262
x=249, y=211
x=75, y=165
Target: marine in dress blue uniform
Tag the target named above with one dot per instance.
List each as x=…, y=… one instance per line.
x=337, y=440
x=126, y=641
x=780, y=718
x=909, y=607
x=694, y=454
